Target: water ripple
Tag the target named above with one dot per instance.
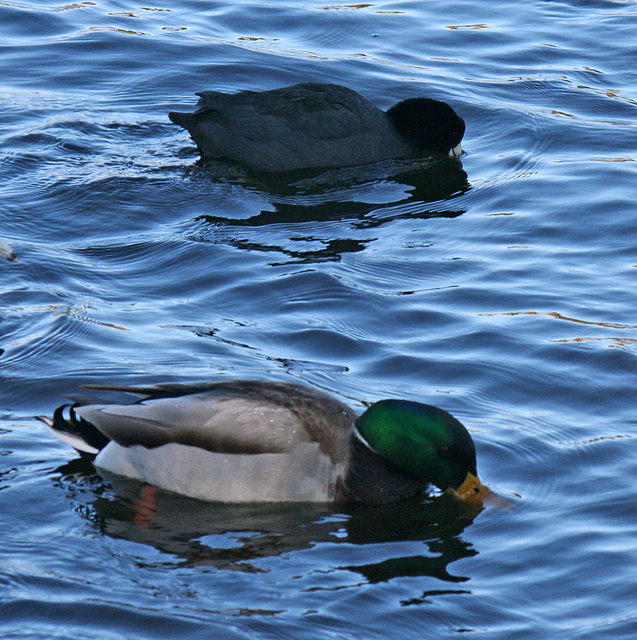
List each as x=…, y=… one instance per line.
x=499, y=288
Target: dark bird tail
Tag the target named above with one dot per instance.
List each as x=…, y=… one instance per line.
x=75, y=431
x=182, y=119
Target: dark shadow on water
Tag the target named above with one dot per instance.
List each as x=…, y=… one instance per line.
x=336, y=193
x=235, y=536
x=365, y=197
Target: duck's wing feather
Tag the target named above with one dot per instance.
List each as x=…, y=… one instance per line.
x=236, y=416
x=231, y=425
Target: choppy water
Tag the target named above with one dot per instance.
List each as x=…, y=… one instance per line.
x=502, y=290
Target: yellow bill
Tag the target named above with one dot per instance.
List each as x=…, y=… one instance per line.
x=471, y=490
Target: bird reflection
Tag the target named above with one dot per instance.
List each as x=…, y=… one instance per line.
x=367, y=197
x=234, y=536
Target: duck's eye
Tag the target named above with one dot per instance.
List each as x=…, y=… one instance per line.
x=444, y=451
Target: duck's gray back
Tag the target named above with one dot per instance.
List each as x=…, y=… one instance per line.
x=302, y=126
x=230, y=416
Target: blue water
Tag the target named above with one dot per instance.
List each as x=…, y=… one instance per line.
x=502, y=290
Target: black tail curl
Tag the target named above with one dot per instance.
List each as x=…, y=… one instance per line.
x=75, y=425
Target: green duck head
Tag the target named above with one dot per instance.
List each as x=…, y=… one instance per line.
x=426, y=442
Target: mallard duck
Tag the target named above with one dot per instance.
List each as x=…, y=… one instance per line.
x=257, y=441
x=317, y=125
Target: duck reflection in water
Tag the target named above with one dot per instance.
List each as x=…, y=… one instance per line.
x=238, y=537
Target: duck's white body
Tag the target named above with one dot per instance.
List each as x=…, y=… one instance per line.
x=303, y=475
x=7, y=252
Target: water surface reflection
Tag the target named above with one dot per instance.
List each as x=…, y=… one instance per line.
x=410, y=538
